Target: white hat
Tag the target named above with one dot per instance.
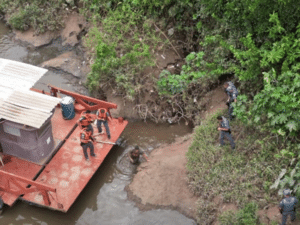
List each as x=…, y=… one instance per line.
x=286, y=192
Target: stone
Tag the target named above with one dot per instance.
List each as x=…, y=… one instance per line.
x=67, y=62
x=30, y=37
x=74, y=25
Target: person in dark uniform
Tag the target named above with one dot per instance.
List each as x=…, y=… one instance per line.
x=103, y=117
x=225, y=131
x=134, y=155
x=288, y=206
x=86, y=120
x=85, y=137
x=232, y=94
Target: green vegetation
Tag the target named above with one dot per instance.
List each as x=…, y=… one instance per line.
x=238, y=176
x=124, y=43
x=255, y=42
x=42, y=15
x=245, y=216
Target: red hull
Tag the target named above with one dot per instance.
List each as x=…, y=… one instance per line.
x=67, y=172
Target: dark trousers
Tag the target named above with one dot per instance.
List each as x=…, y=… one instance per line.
x=228, y=136
x=85, y=146
x=99, y=123
x=230, y=110
x=285, y=216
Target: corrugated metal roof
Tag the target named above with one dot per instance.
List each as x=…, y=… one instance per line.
x=17, y=102
x=28, y=107
x=18, y=75
x=33, y=100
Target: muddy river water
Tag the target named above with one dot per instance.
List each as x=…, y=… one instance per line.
x=103, y=201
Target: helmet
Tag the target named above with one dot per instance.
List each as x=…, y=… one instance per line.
x=286, y=192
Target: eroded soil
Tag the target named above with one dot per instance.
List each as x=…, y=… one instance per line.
x=162, y=182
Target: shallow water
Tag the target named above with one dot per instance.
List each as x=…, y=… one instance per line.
x=103, y=201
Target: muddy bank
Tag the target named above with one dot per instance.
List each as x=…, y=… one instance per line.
x=161, y=183
x=75, y=25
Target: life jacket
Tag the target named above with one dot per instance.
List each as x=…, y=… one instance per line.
x=85, y=136
x=86, y=119
x=102, y=116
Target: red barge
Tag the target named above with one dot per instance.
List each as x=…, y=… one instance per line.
x=43, y=162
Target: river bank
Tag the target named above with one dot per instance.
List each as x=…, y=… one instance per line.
x=163, y=182
x=169, y=162
x=104, y=197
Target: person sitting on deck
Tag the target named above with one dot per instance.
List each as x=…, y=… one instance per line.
x=85, y=137
x=86, y=120
x=134, y=155
x=103, y=117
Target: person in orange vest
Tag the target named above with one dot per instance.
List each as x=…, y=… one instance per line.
x=85, y=137
x=103, y=117
x=86, y=120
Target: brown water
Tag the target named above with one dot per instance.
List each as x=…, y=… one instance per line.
x=104, y=200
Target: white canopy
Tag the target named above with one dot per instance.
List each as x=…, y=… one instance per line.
x=17, y=102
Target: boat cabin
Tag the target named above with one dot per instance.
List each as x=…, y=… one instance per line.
x=25, y=125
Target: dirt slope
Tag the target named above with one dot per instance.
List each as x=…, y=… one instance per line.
x=162, y=182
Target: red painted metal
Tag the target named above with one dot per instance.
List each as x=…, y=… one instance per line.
x=84, y=100
x=14, y=184
x=68, y=172
x=19, y=167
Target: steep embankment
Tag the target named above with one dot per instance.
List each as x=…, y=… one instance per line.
x=162, y=182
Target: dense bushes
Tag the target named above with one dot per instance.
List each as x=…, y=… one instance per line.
x=239, y=176
x=123, y=41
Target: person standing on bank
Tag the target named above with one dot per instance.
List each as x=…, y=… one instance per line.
x=103, y=117
x=86, y=121
x=225, y=131
x=85, y=137
x=232, y=94
x=288, y=206
x=134, y=155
